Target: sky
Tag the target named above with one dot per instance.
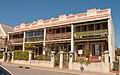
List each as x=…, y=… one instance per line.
x=14, y=12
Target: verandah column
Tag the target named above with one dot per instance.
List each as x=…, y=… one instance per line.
x=44, y=41
x=72, y=41
x=23, y=41
x=72, y=48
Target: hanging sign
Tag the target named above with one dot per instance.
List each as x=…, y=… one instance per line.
x=80, y=51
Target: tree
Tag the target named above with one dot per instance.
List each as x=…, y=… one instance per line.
x=9, y=45
x=31, y=47
x=117, y=52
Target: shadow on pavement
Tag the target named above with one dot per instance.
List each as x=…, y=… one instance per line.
x=4, y=71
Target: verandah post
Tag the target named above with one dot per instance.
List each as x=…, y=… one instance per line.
x=24, y=41
x=44, y=41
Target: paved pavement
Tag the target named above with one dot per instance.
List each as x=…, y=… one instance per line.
x=35, y=70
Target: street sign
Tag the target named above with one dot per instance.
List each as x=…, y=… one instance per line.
x=80, y=51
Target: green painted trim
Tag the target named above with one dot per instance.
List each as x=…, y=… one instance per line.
x=84, y=40
x=89, y=33
x=89, y=23
x=34, y=38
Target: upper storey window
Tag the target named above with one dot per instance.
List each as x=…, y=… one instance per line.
x=29, y=34
x=58, y=30
x=63, y=30
x=38, y=33
x=105, y=25
x=68, y=29
x=98, y=27
x=91, y=27
x=34, y=33
x=84, y=28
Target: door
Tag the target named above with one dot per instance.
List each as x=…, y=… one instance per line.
x=97, y=50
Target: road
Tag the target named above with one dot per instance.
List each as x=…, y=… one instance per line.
x=44, y=71
x=22, y=71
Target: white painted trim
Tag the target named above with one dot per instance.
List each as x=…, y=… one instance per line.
x=72, y=40
x=24, y=42
x=44, y=40
x=64, y=24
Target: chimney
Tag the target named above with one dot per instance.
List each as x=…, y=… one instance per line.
x=40, y=21
x=62, y=17
x=91, y=12
x=22, y=25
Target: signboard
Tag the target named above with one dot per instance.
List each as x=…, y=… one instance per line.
x=80, y=51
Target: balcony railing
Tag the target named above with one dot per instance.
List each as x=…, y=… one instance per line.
x=91, y=33
x=16, y=40
x=34, y=38
x=58, y=36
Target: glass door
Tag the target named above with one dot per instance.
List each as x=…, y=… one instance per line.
x=97, y=50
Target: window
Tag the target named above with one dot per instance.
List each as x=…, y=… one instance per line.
x=37, y=33
x=91, y=27
x=98, y=27
x=29, y=34
x=68, y=29
x=84, y=28
x=105, y=25
x=63, y=30
x=58, y=30
x=77, y=28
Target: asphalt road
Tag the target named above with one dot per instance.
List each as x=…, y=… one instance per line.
x=22, y=71
x=44, y=71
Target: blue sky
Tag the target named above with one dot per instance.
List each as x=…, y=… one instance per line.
x=14, y=12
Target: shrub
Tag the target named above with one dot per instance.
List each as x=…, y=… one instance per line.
x=21, y=55
x=1, y=55
x=87, y=62
x=117, y=52
x=82, y=61
x=42, y=57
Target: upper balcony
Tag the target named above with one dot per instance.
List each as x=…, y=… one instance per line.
x=34, y=38
x=16, y=40
x=58, y=33
x=58, y=36
x=99, y=33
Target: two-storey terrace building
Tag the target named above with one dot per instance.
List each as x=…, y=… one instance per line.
x=93, y=30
